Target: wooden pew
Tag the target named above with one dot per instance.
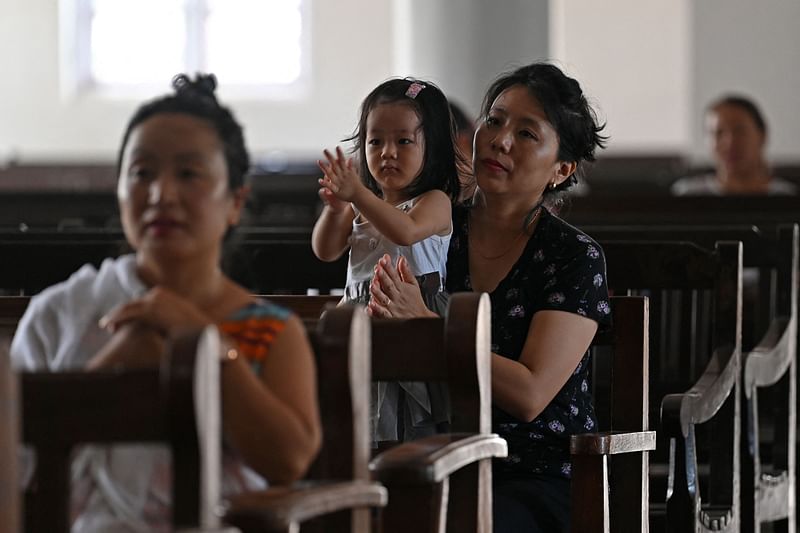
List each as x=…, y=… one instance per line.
x=11, y=310
x=771, y=496
x=264, y=260
x=662, y=210
x=609, y=469
x=36, y=259
x=594, y=472
x=692, y=503
x=9, y=431
x=441, y=482
x=62, y=410
x=342, y=485
x=280, y=260
x=425, y=475
x=767, y=484
x=309, y=308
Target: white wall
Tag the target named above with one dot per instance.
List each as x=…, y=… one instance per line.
x=352, y=50
x=462, y=45
x=632, y=59
x=750, y=47
x=649, y=66
x=654, y=66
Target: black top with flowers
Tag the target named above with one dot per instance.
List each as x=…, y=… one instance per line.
x=560, y=269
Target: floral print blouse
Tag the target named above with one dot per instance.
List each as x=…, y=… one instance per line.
x=560, y=269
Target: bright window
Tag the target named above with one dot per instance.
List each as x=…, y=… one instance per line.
x=120, y=46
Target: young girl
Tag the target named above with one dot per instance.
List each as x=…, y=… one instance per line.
x=396, y=201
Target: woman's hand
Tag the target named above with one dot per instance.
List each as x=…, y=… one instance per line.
x=160, y=309
x=341, y=179
x=394, y=291
x=131, y=346
x=140, y=329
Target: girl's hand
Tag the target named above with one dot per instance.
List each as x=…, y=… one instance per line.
x=341, y=178
x=160, y=309
x=330, y=199
x=394, y=292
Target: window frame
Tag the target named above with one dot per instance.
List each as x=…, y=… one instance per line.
x=76, y=80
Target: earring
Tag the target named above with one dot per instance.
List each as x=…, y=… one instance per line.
x=552, y=185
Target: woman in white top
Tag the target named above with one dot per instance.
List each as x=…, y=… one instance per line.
x=181, y=188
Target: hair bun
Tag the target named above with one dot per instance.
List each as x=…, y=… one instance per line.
x=202, y=86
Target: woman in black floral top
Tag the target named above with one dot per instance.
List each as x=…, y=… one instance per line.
x=545, y=278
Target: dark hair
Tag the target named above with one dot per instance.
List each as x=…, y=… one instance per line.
x=566, y=109
x=196, y=98
x=462, y=123
x=439, y=167
x=744, y=103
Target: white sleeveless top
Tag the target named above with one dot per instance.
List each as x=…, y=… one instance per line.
x=367, y=245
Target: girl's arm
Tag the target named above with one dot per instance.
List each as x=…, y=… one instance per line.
x=329, y=239
x=431, y=215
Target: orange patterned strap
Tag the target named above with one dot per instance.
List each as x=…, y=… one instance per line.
x=254, y=329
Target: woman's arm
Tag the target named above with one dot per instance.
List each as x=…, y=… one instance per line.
x=556, y=342
x=272, y=419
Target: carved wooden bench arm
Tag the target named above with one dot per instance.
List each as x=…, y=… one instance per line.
x=591, y=488
x=280, y=508
x=768, y=361
x=700, y=403
x=612, y=443
x=679, y=414
x=433, y=459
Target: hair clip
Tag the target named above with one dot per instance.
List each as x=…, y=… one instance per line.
x=414, y=89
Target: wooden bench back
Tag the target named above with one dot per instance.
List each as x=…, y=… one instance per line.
x=662, y=210
x=263, y=260
x=43, y=258
x=341, y=343
x=9, y=438
x=342, y=352
x=770, y=316
x=337, y=492
x=765, y=250
x=62, y=410
x=610, y=467
x=425, y=357
x=713, y=395
x=452, y=349
x=624, y=354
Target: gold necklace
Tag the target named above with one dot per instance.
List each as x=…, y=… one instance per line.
x=530, y=223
